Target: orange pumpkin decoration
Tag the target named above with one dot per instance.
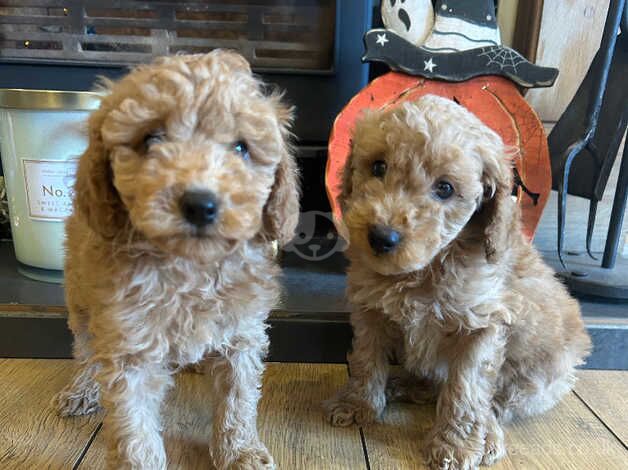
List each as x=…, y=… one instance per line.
x=495, y=100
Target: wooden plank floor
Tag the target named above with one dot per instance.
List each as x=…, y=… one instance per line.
x=607, y=396
x=588, y=430
x=31, y=434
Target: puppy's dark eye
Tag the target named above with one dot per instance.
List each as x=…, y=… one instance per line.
x=154, y=137
x=443, y=189
x=241, y=148
x=378, y=169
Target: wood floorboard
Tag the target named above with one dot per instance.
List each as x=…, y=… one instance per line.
x=606, y=393
x=32, y=435
x=290, y=422
x=576, y=435
x=567, y=437
x=396, y=442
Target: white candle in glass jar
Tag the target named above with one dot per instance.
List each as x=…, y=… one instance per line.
x=42, y=135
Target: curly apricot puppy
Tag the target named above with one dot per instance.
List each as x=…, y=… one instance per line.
x=442, y=277
x=185, y=184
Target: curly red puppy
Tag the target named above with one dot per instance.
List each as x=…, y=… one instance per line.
x=442, y=277
x=187, y=180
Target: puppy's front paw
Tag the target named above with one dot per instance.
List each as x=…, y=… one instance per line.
x=494, y=446
x=77, y=401
x=254, y=459
x=341, y=412
x=441, y=455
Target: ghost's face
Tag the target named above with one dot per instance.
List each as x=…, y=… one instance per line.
x=410, y=19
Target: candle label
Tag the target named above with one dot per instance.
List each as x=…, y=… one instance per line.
x=49, y=188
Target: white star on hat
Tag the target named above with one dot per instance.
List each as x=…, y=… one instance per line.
x=429, y=65
x=381, y=39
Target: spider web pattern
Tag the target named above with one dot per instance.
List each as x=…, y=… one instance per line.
x=503, y=57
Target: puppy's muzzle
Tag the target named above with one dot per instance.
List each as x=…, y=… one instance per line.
x=383, y=239
x=200, y=208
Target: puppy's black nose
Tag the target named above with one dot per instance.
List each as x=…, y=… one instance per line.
x=199, y=207
x=383, y=239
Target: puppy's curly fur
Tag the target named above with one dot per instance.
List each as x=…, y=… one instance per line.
x=146, y=290
x=464, y=300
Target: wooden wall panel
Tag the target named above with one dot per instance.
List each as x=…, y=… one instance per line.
x=570, y=35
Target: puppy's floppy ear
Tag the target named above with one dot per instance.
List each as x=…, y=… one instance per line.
x=281, y=213
x=94, y=194
x=498, y=211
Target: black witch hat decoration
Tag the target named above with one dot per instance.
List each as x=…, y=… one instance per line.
x=464, y=43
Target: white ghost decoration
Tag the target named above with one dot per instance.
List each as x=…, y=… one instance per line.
x=410, y=19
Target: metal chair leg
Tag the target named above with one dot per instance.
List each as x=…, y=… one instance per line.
x=591, y=226
x=617, y=214
x=573, y=150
